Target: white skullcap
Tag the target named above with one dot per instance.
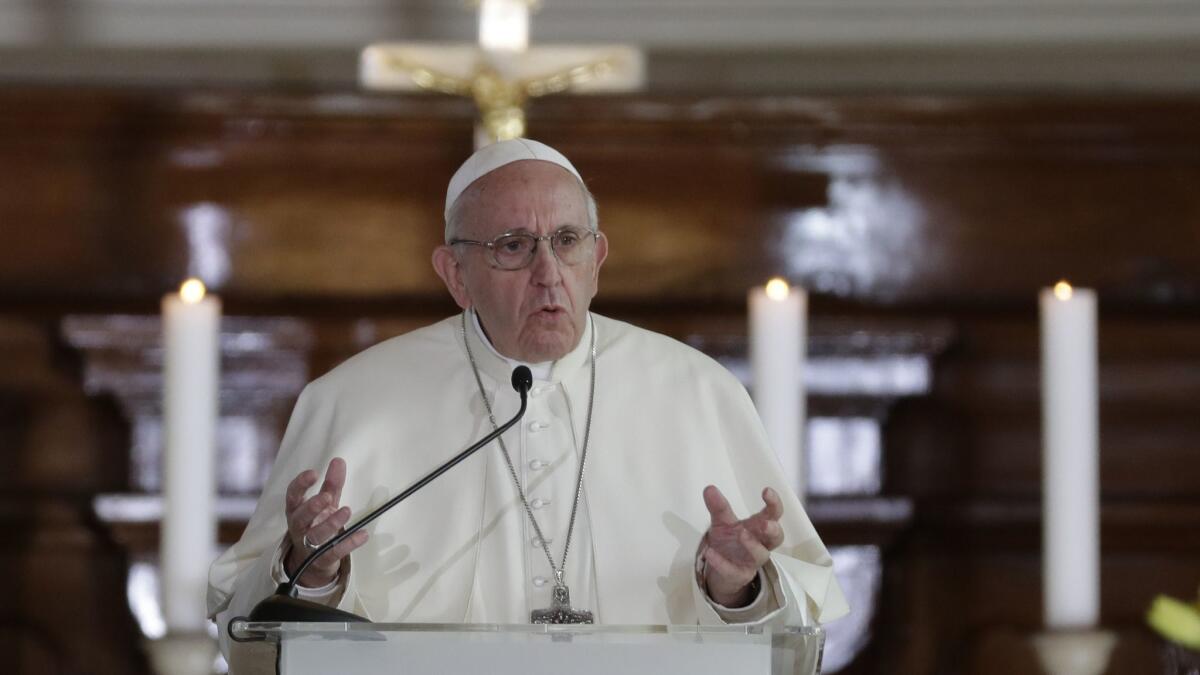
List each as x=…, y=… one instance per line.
x=492, y=157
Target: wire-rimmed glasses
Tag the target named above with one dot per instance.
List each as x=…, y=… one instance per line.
x=516, y=250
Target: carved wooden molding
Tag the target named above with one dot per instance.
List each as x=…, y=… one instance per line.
x=264, y=364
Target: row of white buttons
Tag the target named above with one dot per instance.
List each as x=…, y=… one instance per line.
x=538, y=465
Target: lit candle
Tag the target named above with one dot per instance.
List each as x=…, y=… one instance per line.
x=504, y=25
x=191, y=334
x=1070, y=458
x=777, y=344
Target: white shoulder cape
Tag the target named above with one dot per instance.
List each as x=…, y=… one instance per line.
x=668, y=421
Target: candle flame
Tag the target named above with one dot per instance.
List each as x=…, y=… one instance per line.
x=1063, y=291
x=778, y=289
x=192, y=291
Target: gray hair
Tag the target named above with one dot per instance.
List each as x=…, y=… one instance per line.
x=454, y=215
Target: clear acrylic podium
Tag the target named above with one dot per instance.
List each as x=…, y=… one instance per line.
x=449, y=649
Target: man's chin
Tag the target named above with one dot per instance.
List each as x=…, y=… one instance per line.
x=548, y=346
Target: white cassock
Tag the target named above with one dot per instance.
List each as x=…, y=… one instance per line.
x=667, y=422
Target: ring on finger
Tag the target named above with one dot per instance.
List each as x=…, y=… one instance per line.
x=308, y=544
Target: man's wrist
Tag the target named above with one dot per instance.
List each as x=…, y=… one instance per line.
x=309, y=581
x=743, y=597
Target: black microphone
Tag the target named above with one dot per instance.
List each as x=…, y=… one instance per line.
x=285, y=606
x=522, y=381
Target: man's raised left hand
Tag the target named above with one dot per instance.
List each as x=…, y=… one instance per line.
x=734, y=550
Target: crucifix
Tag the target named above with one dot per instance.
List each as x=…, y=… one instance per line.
x=501, y=72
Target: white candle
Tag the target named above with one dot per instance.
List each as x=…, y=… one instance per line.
x=504, y=25
x=1070, y=454
x=191, y=333
x=777, y=345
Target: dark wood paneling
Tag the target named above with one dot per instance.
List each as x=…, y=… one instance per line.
x=966, y=200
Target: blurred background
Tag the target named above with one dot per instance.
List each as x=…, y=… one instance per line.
x=922, y=167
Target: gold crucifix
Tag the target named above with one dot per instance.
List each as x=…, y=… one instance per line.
x=501, y=72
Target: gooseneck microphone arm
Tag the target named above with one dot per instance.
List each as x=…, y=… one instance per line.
x=520, y=384
x=284, y=606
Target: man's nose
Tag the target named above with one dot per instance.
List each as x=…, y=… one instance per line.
x=545, y=266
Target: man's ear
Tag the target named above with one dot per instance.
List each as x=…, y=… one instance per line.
x=446, y=264
x=601, y=254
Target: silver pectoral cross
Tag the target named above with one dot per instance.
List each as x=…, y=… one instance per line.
x=560, y=610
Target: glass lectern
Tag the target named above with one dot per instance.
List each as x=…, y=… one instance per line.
x=449, y=649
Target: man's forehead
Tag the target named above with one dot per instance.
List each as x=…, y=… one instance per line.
x=519, y=196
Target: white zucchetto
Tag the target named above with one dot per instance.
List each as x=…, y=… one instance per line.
x=489, y=158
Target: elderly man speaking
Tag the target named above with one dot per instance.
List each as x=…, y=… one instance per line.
x=640, y=480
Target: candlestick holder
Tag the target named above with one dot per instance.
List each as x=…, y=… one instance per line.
x=1179, y=660
x=1074, y=652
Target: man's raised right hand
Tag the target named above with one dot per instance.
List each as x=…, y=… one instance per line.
x=318, y=519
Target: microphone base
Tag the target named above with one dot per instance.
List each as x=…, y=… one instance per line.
x=282, y=607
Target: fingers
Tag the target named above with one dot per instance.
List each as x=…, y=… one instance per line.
x=325, y=513
x=302, y=517
x=333, y=558
x=721, y=568
x=773, y=508
x=335, y=478
x=742, y=548
x=723, y=575
x=296, y=489
x=753, y=548
x=319, y=518
x=718, y=507
x=324, y=569
x=303, y=514
x=765, y=524
x=325, y=529
x=769, y=534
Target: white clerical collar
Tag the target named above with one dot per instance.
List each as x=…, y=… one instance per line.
x=541, y=371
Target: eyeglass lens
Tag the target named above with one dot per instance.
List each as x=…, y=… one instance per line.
x=514, y=251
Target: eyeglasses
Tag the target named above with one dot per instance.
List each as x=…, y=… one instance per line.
x=516, y=250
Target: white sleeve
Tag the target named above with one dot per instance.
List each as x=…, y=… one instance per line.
x=762, y=605
x=780, y=601
x=329, y=594
x=246, y=572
